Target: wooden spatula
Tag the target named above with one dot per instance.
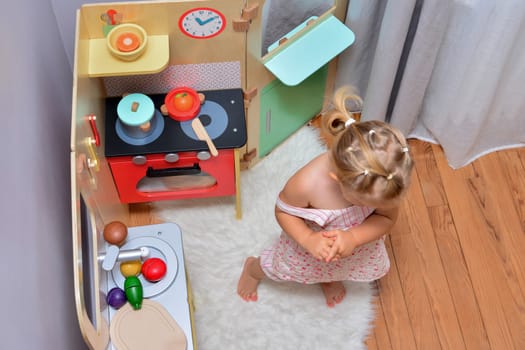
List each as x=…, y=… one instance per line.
x=202, y=134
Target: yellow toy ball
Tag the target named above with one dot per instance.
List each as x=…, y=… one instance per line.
x=130, y=268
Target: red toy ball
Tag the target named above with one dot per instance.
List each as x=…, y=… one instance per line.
x=154, y=269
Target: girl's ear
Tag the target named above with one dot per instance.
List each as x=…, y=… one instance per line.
x=333, y=176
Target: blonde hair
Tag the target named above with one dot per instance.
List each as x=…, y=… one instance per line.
x=371, y=158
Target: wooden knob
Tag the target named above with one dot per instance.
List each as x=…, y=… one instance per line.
x=134, y=106
x=164, y=110
x=145, y=127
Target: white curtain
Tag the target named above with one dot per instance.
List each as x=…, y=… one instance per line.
x=445, y=71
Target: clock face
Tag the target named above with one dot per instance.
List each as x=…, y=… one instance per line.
x=202, y=23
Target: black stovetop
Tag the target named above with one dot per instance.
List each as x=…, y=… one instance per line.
x=173, y=138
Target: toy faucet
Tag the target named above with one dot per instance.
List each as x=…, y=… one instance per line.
x=114, y=254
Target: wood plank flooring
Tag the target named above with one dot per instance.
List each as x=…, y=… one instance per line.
x=458, y=263
x=457, y=279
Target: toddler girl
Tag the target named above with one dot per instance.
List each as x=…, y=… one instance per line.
x=335, y=211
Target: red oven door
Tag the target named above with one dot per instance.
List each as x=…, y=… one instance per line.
x=188, y=177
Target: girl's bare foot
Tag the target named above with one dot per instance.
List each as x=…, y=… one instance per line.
x=334, y=292
x=250, y=278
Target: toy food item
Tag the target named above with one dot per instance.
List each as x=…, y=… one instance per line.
x=127, y=42
x=116, y=298
x=115, y=233
x=130, y=268
x=134, y=291
x=154, y=269
x=183, y=101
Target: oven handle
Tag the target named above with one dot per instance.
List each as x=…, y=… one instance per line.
x=190, y=170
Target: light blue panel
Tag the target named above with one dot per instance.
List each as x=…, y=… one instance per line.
x=310, y=52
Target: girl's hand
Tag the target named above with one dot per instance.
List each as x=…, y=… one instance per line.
x=318, y=245
x=344, y=244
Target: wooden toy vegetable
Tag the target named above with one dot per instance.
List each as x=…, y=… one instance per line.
x=183, y=101
x=134, y=291
x=116, y=298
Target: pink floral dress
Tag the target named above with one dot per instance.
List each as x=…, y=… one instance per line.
x=286, y=260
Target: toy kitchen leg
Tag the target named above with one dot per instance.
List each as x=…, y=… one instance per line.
x=238, y=207
x=165, y=314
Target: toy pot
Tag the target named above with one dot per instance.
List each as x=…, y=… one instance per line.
x=182, y=103
x=135, y=112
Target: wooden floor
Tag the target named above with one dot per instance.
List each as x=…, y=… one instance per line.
x=457, y=279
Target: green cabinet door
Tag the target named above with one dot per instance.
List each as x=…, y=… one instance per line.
x=284, y=109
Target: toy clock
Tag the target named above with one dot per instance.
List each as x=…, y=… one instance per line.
x=202, y=22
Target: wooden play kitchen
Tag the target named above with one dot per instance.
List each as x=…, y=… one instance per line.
x=169, y=159
x=171, y=99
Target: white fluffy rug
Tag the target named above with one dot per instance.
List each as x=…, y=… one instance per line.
x=287, y=315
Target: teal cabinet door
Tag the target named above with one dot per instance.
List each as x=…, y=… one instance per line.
x=284, y=109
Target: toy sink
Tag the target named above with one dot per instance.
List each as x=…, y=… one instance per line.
x=165, y=314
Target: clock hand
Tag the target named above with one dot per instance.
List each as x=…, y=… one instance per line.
x=199, y=21
x=208, y=20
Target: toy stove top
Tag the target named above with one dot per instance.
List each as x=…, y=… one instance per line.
x=222, y=115
x=164, y=241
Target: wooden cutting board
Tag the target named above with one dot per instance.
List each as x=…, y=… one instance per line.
x=151, y=327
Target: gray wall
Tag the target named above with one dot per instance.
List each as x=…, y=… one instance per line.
x=36, y=275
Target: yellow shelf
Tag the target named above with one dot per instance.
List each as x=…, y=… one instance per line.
x=154, y=60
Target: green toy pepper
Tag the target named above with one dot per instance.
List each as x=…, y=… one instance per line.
x=134, y=291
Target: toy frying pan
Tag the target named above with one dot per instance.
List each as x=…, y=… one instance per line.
x=150, y=327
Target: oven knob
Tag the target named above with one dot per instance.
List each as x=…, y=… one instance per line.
x=139, y=160
x=203, y=155
x=171, y=157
